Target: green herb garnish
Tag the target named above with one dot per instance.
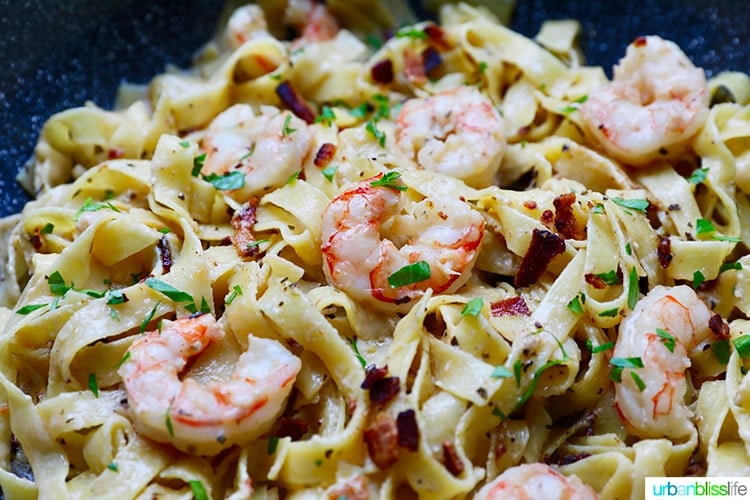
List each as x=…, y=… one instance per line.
x=410, y=274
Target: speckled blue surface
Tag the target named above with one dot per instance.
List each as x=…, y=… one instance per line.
x=58, y=54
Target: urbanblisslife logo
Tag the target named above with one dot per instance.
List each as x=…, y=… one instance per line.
x=678, y=488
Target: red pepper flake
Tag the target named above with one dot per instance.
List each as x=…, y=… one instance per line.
x=548, y=218
x=566, y=222
x=595, y=281
x=451, y=460
x=530, y=204
x=408, y=430
x=165, y=254
x=641, y=41
x=544, y=246
x=664, y=252
x=36, y=241
x=512, y=306
x=381, y=438
x=294, y=101
x=115, y=153
x=719, y=327
x=242, y=222
x=324, y=155
x=382, y=71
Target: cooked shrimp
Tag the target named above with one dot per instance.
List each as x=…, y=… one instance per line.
x=655, y=102
x=312, y=20
x=535, y=481
x=268, y=148
x=665, y=326
x=436, y=239
x=246, y=23
x=204, y=418
x=457, y=132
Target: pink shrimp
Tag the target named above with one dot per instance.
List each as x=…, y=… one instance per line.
x=533, y=482
x=659, y=334
x=457, y=132
x=433, y=243
x=204, y=418
x=656, y=101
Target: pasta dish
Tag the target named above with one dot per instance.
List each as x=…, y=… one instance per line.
x=439, y=261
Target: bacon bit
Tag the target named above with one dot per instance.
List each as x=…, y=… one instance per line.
x=530, y=204
x=382, y=71
x=548, y=218
x=353, y=489
x=115, y=153
x=431, y=59
x=437, y=36
x=442, y=215
x=512, y=306
x=408, y=430
x=165, y=254
x=544, y=246
x=382, y=389
x=294, y=101
x=664, y=252
x=414, y=67
x=641, y=41
x=566, y=222
x=719, y=326
x=242, y=222
x=324, y=155
x=381, y=438
x=292, y=427
x=451, y=460
x=595, y=281
x=36, y=241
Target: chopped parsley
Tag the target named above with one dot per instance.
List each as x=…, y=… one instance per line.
x=226, y=181
x=148, y=318
x=596, y=349
x=704, y=226
x=199, y=493
x=410, y=274
x=410, y=32
x=517, y=368
x=168, y=419
x=47, y=228
x=721, y=352
x=609, y=277
x=360, y=358
x=638, y=381
x=575, y=304
x=286, y=129
x=473, y=307
x=92, y=206
x=93, y=385
x=667, y=339
x=236, y=292
x=501, y=372
x=742, y=346
x=610, y=313
x=329, y=172
x=123, y=360
x=326, y=116
x=198, y=164
x=273, y=443
x=113, y=466
x=698, y=278
x=727, y=266
x=637, y=204
x=29, y=308
x=168, y=290
x=633, y=292
x=378, y=134
x=389, y=180
x=619, y=364
x=698, y=176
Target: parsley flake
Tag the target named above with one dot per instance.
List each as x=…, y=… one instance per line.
x=329, y=172
x=93, y=385
x=473, y=307
x=638, y=205
x=667, y=338
x=410, y=274
x=389, y=180
x=742, y=345
x=286, y=129
x=199, y=493
x=378, y=134
x=698, y=175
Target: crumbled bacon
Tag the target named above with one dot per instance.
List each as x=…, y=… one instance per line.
x=382, y=389
x=719, y=327
x=292, y=427
x=451, y=460
x=294, y=101
x=382, y=71
x=436, y=34
x=547, y=218
x=381, y=438
x=165, y=254
x=566, y=222
x=242, y=223
x=408, y=430
x=544, y=246
x=512, y=306
x=664, y=252
x=325, y=154
x=115, y=153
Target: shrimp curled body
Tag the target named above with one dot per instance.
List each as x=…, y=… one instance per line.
x=457, y=132
x=268, y=148
x=655, y=102
x=663, y=329
x=535, y=481
x=370, y=232
x=204, y=418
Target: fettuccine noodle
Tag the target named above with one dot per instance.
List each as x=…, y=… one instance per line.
x=339, y=267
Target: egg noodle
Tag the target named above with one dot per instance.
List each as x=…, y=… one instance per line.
x=339, y=266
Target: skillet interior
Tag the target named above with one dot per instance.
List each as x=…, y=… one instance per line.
x=57, y=55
